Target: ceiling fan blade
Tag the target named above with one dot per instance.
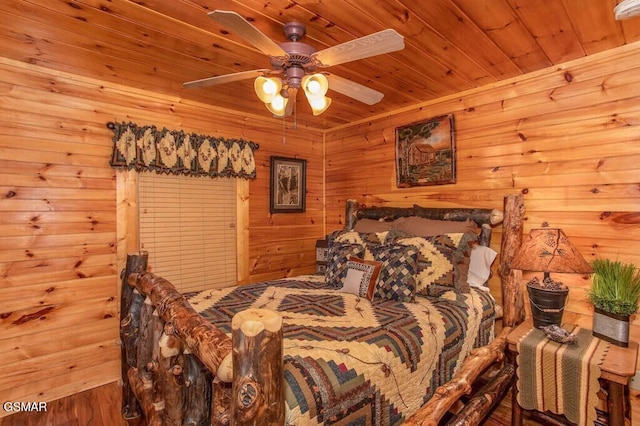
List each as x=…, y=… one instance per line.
x=354, y=90
x=236, y=23
x=227, y=78
x=374, y=44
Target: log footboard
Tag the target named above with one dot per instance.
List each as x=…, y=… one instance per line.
x=180, y=368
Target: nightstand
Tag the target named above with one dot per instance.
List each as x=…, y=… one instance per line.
x=618, y=366
x=322, y=249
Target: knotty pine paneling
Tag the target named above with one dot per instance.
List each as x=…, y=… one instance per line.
x=67, y=219
x=567, y=138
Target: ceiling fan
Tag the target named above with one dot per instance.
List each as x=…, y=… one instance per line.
x=294, y=64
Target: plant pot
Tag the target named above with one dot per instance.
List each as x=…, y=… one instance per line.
x=547, y=306
x=610, y=327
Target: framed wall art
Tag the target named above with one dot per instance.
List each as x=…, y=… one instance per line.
x=426, y=152
x=288, y=185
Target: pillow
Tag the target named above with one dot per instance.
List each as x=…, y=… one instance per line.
x=361, y=277
x=362, y=239
x=443, y=260
x=337, y=257
x=397, y=280
x=480, y=263
x=370, y=225
x=423, y=227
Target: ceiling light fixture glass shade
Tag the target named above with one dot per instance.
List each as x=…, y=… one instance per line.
x=278, y=105
x=315, y=88
x=267, y=88
x=315, y=85
x=319, y=104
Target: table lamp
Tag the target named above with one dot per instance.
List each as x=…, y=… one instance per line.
x=548, y=250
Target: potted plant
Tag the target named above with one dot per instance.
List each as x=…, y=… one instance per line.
x=615, y=291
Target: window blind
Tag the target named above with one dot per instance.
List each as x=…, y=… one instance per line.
x=188, y=226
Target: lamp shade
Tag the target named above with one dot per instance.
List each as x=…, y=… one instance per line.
x=267, y=88
x=549, y=250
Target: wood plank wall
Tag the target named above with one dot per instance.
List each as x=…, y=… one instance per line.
x=567, y=138
x=61, y=229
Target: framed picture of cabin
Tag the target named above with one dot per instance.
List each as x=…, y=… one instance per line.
x=426, y=152
x=288, y=185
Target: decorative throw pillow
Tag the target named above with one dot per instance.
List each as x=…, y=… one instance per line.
x=361, y=277
x=443, y=260
x=397, y=280
x=337, y=257
x=362, y=239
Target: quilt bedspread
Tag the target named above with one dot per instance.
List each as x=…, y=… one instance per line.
x=351, y=361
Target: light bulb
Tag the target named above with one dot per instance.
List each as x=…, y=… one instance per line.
x=267, y=88
x=315, y=85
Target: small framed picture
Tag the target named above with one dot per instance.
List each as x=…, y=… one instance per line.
x=426, y=152
x=288, y=185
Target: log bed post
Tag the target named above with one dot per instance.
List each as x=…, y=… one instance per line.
x=130, y=305
x=510, y=279
x=257, y=393
x=350, y=215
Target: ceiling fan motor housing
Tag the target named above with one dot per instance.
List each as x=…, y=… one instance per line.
x=298, y=60
x=294, y=31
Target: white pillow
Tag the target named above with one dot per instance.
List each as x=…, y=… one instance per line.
x=480, y=265
x=362, y=277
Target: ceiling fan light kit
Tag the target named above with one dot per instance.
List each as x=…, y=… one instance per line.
x=296, y=62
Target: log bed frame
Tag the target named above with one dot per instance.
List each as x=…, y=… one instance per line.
x=177, y=368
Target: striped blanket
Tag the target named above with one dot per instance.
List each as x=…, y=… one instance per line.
x=351, y=361
x=561, y=378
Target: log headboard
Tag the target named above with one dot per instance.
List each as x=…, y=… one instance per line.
x=485, y=218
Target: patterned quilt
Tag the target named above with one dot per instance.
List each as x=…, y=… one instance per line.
x=348, y=361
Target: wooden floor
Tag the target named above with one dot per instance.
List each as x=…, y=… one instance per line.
x=101, y=407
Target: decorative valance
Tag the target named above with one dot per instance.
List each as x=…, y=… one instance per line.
x=176, y=152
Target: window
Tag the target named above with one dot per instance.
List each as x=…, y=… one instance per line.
x=188, y=227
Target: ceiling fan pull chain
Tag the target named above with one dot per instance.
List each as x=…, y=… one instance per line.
x=284, y=130
x=295, y=113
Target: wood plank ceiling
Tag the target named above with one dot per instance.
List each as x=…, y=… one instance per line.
x=451, y=45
